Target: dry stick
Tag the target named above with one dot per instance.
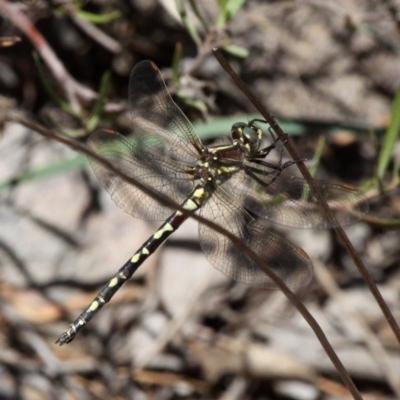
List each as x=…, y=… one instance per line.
x=9, y=115
x=320, y=335
x=321, y=199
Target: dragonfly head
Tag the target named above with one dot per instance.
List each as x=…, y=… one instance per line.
x=247, y=136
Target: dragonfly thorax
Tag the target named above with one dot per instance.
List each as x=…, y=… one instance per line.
x=247, y=137
x=217, y=164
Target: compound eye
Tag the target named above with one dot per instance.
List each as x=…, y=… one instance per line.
x=237, y=130
x=252, y=138
x=251, y=135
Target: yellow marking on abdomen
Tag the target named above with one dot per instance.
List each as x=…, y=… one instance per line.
x=113, y=282
x=135, y=258
x=165, y=228
x=145, y=251
x=190, y=205
x=94, y=306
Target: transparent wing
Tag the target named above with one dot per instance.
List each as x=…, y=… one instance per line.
x=154, y=112
x=289, y=201
x=163, y=147
x=142, y=160
x=287, y=261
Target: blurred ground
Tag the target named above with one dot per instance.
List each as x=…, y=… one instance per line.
x=180, y=329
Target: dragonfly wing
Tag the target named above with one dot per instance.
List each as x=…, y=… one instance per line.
x=159, y=153
x=155, y=113
x=289, y=262
x=142, y=160
x=289, y=201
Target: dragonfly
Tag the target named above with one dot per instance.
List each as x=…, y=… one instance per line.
x=234, y=183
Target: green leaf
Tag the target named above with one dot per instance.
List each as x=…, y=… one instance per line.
x=49, y=88
x=175, y=64
x=234, y=6
x=98, y=18
x=229, y=8
x=223, y=16
x=197, y=104
x=97, y=111
x=221, y=126
x=390, y=137
x=237, y=51
x=196, y=12
x=60, y=167
x=190, y=28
